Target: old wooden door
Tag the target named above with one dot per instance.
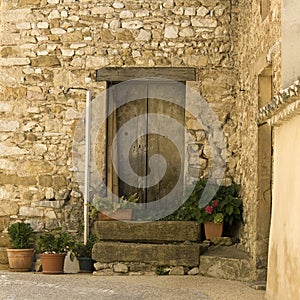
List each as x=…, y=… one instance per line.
x=138, y=121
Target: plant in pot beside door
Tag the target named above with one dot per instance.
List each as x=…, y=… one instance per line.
x=212, y=219
x=226, y=207
x=20, y=257
x=53, y=247
x=108, y=209
x=84, y=254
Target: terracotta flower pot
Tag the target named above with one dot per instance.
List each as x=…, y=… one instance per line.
x=52, y=263
x=120, y=214
x=213, y=230
x=20, y=260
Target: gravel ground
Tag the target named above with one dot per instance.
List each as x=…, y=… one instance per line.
x=85, y=286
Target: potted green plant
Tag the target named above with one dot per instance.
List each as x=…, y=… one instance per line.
x=20, y=256
x=84, y=254
x=225, y=207
x=53, y=247
x=108, y=209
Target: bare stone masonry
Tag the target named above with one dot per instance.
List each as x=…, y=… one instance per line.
x=139, y=248
x=47, y=46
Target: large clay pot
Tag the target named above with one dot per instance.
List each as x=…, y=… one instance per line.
x=213, y=230
x=52, y=263
x=20, y=260
x=120, y=214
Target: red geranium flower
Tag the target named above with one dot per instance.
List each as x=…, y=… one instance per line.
x=215, y=203
x=209, y=209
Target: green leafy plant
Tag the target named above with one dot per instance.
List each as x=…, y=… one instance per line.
x=85, y=250
x=55, y=242
x=218, y=218
x=229, y=203
x=162, y=271
x=225, y=206
x=105, y=204
x=21, y=235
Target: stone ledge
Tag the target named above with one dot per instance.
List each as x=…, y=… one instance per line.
x=158, y=232
x=226, y=263
x=156, y=254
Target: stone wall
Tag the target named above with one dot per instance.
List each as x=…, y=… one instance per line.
x=49, y=46
x=259, y=49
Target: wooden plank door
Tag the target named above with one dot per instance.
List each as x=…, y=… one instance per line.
x=171, y=147
x=131, y=100
x=150, y=102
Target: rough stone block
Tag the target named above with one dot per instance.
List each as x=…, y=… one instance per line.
x=9, y=125
x=194, y=271
x=120, y=268
x=16, y=180
x=231, y=268
x=4, y=223
x=10, y=151
x=5, y=107
x=132, y=24
x=179, y=270
x=171, y=32
x=8, y=208
x=3, y=256
x=45, y=61
x=96, y=62
x=29, y=168
x=140, y=268
x=201, y=22
x=59, y=182
x=4, y=266
x=14, y=61
x=101, y=266
x=4, y=240
x=31, y=212
x=51, y=204
x=161, y=255
x=45, y=180
x=159, y=231
x=29, y=2
x=72, y=37
x=102, y=10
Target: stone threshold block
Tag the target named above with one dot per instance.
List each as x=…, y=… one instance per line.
x=226, y=263
x=156, y=232
x=156, y=254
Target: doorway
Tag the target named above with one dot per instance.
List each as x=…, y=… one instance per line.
x=146, y=106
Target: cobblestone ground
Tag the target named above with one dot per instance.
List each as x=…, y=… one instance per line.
x=82, y=286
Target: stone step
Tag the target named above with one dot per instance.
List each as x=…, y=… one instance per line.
x=156, y=232
x=226, y=263
x=184, y=254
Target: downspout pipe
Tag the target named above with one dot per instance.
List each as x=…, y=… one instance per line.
x=87, y=165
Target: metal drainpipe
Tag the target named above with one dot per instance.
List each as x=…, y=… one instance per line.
x=87, y=159
x=87, y=166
